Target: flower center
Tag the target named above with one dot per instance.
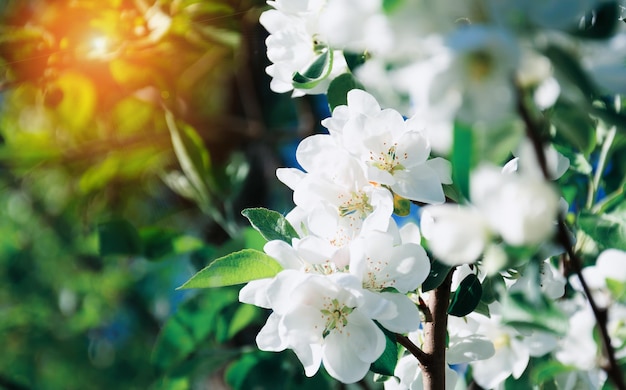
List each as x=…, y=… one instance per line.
x=336, y=316
x=480, y=64
x=375, y=279
x=358, y=205
x=388, y=161
x=503, y=340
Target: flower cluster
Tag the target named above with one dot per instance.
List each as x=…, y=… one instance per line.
x=350, y=270
x=485, y=68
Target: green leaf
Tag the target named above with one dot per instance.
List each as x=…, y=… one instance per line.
x=118, y=237
x=264, y=370
x=533, y=313
x=494, y=144
x=157, y=242
x=608, y=230
x=438, y=272
x=193, y=322
x=192, y=156
x=401, y=206
x=243, y=316
x=574, y=126
x=235, y=268
x=319, y=70
x=354, y=60
x=547, y=370
x=569, y=68
x=391, y=5
x=271, y=224
x=601, y=23
x=386, y=363
x=466, y=297
x=339, y=88
x=617, y=289
x=492, y=286
x=462, y=158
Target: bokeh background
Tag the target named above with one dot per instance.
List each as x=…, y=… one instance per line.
x=100, y=218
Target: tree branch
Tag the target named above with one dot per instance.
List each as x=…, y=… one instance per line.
x=412, y=348
x=434, y=366
x=574, y=262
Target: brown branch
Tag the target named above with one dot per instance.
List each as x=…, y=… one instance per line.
x=412, y=348
x=612, y=368
x=434, y=368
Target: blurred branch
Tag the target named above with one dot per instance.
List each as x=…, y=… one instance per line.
x=564, y=238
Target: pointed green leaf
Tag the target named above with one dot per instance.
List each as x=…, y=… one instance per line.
x=271, y=224
x=235, y=268
x=339, y=88
x=466, y=297
x=316, y=72
x=192, y=155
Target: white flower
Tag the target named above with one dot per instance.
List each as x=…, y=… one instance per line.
x=293, y=46
x=380, y=264
x=455, y=234
x=338, y=202
x=512, y=350
x=610, y=265
x=324, y=319
x=411, y=378
x=522, y=209
x=394, y=152
x=526, y=162
x=472, y=73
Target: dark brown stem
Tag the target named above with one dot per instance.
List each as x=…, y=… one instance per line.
x=434, y=366
x=412, y=348
x=574, y=262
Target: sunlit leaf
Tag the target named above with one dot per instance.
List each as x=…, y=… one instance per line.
x=235, y=268
x=192, y=155
x=79, y=100
x=271, y=224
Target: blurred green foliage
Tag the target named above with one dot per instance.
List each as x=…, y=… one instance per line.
x=101, y=217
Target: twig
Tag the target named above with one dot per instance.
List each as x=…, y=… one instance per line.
x=422, y=357
x=613, y=370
